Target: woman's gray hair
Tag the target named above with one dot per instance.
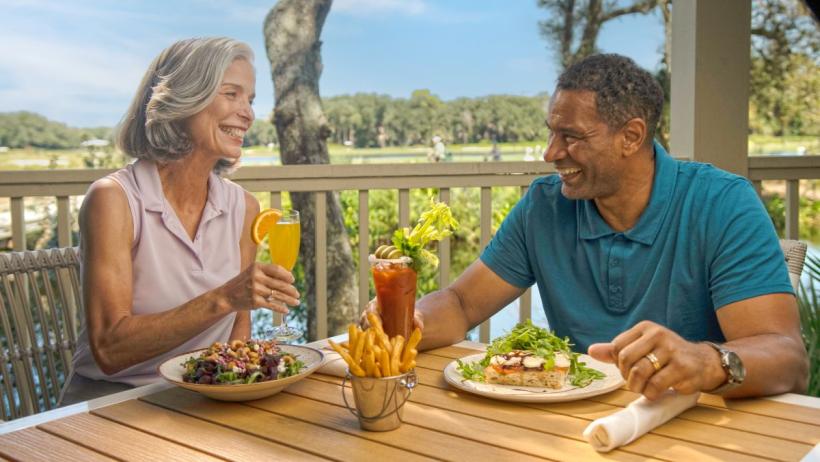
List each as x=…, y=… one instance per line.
x=179, y=83
x=623, y=90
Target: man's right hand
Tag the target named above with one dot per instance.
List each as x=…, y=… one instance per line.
x=373, y=307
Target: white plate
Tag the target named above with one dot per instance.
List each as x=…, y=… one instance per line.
x=173, y=369
x=611, y=381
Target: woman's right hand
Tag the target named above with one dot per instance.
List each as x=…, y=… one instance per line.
x=260, y=285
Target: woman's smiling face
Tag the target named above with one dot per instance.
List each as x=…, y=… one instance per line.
x=219, y=130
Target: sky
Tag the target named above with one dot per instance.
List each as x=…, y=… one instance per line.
x=79, y=62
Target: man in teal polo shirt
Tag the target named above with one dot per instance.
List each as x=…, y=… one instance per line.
x=672, y=270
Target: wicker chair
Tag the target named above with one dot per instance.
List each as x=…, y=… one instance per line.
x=795, y=252
x=40, y=314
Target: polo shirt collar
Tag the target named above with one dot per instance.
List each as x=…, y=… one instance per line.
x=592, y=226
x=153, y=198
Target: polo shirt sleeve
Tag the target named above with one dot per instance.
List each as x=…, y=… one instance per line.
x=746, y=259
x=507, y=254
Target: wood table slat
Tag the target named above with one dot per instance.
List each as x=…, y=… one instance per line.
x=32, y=444
x=782, y=420
x=296, y=433
x=406, y=437
x=473, y=427
x=119, y=441
x=205, y=436
x=649, y=445
x=453, y=352
x=695, y=432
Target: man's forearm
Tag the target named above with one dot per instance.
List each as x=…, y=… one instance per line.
x=444, y=319
x=774, y=363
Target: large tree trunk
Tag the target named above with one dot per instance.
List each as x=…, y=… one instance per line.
x=292, y=30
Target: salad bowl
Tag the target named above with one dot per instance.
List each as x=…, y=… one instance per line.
x=173, y=369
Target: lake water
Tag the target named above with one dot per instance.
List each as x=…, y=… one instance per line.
x=388, y=157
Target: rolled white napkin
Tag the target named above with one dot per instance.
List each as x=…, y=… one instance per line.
x=813, y=455
x=333, y=364
x=639, y=417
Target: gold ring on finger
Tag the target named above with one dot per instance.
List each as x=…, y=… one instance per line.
x=270, y=297
x=654, y=360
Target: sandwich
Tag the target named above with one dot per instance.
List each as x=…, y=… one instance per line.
x=530, y=356
x=526, y=368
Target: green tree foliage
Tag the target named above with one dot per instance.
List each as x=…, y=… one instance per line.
x=785, y=82
x=27, y=129
x=785, y=54
x=371, y=120
x=573, y=25
x=261, y=133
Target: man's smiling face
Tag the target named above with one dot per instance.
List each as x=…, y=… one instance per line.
x=581, y=145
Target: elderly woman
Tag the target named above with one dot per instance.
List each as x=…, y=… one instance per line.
x=167, y=260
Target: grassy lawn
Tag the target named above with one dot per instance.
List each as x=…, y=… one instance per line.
x=761, y=145
x=38, y=159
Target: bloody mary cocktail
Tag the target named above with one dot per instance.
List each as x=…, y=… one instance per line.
x=395, y=283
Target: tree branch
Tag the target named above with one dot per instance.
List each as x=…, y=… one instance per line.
x=643, y=7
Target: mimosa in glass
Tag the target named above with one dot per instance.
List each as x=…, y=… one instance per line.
x=283, y=245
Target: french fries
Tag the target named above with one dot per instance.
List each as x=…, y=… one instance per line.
x=371, y=353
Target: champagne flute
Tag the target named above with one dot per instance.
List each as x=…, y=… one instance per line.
x=283, y=246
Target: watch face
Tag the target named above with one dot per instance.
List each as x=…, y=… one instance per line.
x=735, y=367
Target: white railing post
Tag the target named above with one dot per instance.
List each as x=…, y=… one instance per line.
x=404, y=208
x=18, y=223
x=444, y=247
x=793, y=209
x=64, y=221
x=321, y=263
x=486, y=233
x=525, y=301
x=364, y=251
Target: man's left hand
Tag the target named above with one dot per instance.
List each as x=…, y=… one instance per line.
x=653, y=358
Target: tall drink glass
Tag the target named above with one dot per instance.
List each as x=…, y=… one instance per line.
x=395, y=282
x=283, y=246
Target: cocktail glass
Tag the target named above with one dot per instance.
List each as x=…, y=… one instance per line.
x=395, y=282
x=283, y=246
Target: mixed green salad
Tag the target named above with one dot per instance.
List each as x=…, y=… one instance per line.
x=241, y=362
x=528, y=337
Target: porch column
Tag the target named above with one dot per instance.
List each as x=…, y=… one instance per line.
x=710, y=82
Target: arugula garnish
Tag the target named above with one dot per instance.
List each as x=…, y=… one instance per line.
x=527, y=336
x=293, y=368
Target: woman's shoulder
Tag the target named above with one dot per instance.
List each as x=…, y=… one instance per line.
x=105, y=191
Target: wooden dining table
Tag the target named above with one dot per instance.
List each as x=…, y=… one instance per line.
x=309, y=421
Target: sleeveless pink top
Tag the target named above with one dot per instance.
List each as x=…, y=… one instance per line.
x=168, y=268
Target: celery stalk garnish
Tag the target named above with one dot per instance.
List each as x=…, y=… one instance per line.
x=434, y=224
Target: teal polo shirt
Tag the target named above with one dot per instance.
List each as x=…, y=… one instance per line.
x=704, y=241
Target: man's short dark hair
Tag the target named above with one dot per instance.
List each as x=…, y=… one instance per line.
x=623, y=90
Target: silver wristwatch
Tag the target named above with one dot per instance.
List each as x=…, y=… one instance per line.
x=732, y=365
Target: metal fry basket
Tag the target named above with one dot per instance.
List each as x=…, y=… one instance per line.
x=379, y=401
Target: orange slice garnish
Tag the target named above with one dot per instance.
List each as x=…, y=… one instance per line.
x=264, y=221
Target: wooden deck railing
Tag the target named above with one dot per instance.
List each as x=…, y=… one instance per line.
x=318, y=179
